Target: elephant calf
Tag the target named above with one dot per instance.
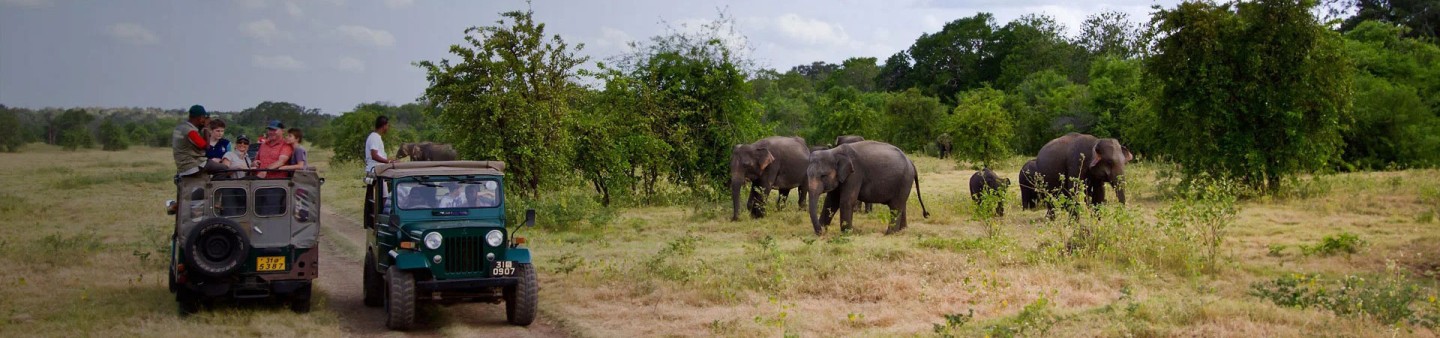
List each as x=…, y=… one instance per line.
x=427, y=151
x=986, y=182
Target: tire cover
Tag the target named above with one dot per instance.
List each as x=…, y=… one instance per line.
x=216, y=248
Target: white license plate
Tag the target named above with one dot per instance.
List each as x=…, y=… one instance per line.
x=503, y=268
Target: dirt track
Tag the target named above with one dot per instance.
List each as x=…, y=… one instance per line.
x=340, y=281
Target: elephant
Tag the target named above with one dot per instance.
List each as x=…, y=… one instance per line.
x=843, y=139
x=864, y=171
x=427, y=151
x=943, y=144
x=1085, y=159
x=776, y=162
x=1028, y=198
x=985, y=181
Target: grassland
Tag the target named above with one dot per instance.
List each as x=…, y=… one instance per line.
x=84, y=240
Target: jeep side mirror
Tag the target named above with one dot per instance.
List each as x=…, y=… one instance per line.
x=529, y=217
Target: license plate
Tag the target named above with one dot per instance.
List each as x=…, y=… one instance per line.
x=503, y=268
x=270, y=263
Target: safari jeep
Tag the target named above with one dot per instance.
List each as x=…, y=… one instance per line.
x=245, y=238
x=437, y=232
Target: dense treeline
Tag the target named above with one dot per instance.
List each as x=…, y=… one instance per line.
x=119, y=128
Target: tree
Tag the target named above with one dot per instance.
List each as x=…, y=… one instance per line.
x=857, y=72
x=1110, y=34
x=847, y=111
x=1422, y=17
x=12, y=134
x=508, y=97
x=1045, y=106
x=960, y=56
x=1120, y=102
x=982, y=118
x=914, y=118
x=1034, y=43
x=895, y=74
x=1397, y=99
x=112, y=137
x=349, y=131
x=72, y=129
x=1257, y=90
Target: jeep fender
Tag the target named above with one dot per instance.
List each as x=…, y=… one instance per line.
x=410, y=260
x=518, y=255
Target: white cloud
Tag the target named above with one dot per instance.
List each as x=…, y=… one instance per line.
x=366, y=35
x=350, y=64
x=133, y=34
x=28, y=3
x=614, y=38
x=264, y=30
x=399, y=3
x=812, y=31
x=278, y=62
x=293, y=9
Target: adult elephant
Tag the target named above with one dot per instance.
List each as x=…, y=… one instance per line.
x=427, y=151
x=1084, y=159
x=943, y=144
x=1029, y=199
x=987, y=182
x=864, y=171
x=776, y=162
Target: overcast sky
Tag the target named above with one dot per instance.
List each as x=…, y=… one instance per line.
x=333, y=54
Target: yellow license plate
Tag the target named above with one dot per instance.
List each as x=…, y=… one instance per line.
x=271, y=263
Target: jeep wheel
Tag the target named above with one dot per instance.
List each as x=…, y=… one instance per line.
x=215, y=248
x=374, y=285
x=188, y=302
x=521, y=299
x=400, y=300
x=300, y=300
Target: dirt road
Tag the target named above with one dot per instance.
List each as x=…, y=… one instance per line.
x=340, y=281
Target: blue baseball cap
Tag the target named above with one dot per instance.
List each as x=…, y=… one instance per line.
x=275, y=124
x=198, y=111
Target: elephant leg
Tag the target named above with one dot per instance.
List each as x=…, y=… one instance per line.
x=1096, y=191
x=803, y=195
x=780, y=200
x=897, y=209
x=832, y=205
x=847, y=215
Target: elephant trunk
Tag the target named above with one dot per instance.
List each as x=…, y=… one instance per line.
x=735, y=185
x=1119, y=191
x=814, y=212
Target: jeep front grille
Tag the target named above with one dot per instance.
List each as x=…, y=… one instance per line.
x=464, y=254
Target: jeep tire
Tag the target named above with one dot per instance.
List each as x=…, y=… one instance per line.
x=400, y=299
x=521, y=299
x=374, y=283
x=215, y=248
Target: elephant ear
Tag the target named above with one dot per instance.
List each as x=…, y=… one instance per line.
x=1094, y=156
x=1128, y=156
x=764, y=158
x=844, y=165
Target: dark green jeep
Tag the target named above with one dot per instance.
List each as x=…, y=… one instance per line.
x=437, y=232
x=245, y=238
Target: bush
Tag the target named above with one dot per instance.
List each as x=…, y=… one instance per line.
x=1387, y=299
x=982, y=120
x=12, y=135
x=1345, y=242
x=112, y=137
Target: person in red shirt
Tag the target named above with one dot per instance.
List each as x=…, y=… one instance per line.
x=274, y=152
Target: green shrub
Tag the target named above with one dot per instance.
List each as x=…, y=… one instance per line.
x=1344, y=242
x=1387, y=299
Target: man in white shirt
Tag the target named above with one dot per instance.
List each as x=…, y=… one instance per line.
x=375, y=145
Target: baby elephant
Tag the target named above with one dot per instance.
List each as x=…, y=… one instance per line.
x=984, y=182
x=427, y=151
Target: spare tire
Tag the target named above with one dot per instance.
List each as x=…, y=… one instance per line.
x=215, y=248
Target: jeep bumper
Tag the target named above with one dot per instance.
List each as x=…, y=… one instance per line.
x=465, y=284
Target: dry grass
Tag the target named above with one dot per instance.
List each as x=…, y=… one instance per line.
x=79, y=223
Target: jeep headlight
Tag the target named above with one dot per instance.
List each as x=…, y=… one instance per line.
x=494, y=238
x=432, y=240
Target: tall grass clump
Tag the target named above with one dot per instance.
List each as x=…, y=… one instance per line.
x=1391, y=298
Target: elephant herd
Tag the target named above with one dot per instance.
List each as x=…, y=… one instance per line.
x=855, y=171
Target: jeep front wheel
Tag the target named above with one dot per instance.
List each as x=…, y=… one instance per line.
x=521, y=299
x=373, y=284
x=400, y=299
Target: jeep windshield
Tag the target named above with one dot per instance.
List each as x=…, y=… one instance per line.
x=445, y=194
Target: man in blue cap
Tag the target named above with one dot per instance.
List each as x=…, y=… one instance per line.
x=188, y=142
x=274, y=152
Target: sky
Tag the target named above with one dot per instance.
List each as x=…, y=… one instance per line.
x=334, y=54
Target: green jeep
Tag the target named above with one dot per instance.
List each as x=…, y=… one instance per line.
x=437, y=232
x=238, y=237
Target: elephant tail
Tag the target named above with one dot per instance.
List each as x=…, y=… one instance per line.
x=923, y=212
